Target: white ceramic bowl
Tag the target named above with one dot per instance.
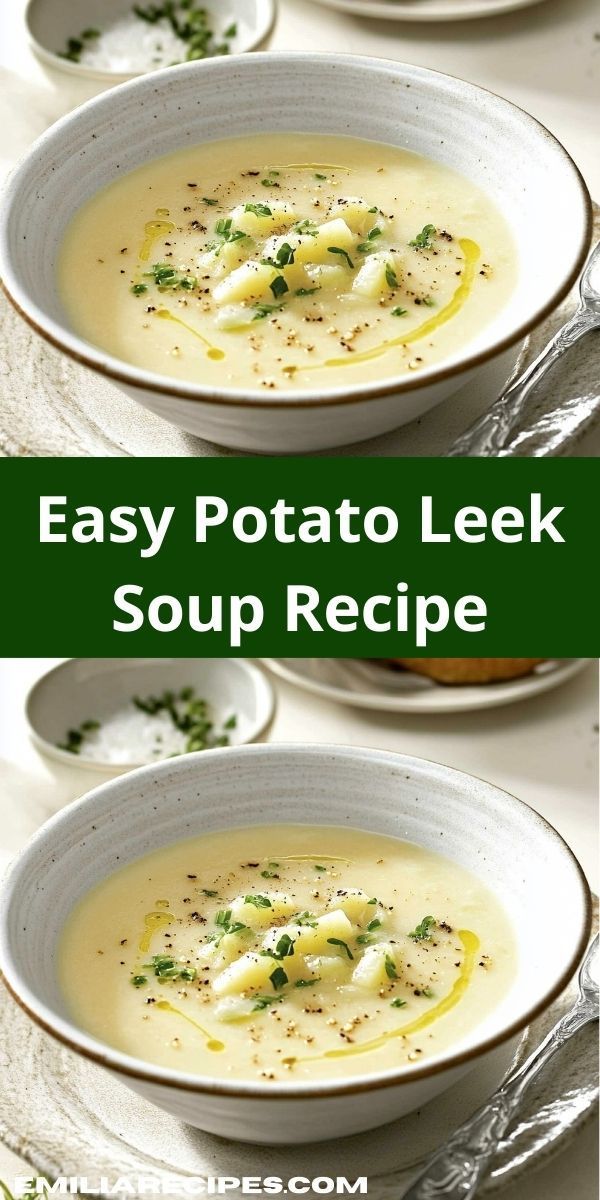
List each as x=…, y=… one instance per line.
x=507, y=844
x=501, y=148
x=81, y=688
x=50, y=23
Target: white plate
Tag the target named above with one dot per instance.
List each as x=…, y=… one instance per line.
x=366, y=683
x=67, y=1117
x=51, y=22
x=83, y=688
x=427, y=10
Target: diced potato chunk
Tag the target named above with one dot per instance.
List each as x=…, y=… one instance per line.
x=234, y=1008
x=248, y=973
x=355, y=904
x=231, y=946
x=371, y=971
x=227, y=257
x=376, y=276
x=250, y=282
x=261, y=916
x=234, y=316
x=326, y=277
x=330, y=970
x=281, y=216
x=316, y=249
x=314, y=939
x=355, y=212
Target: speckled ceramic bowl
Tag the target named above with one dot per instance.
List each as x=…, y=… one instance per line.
x=499, y=147
x=503, y=841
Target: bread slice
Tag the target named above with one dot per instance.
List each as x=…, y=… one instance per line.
x=469, y=670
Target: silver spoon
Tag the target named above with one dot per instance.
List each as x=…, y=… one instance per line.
x=455, y=1172
x=489, y=436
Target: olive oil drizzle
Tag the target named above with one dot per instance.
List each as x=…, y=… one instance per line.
x=317, y=858
x=152, y=922
x=471, y=254
x=212, y=352
x=153, y=231
x=308, y=167
x=211, y=1042
x=471, y=945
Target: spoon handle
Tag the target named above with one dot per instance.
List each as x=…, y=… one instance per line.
x=489, y=435
x=455, y=1172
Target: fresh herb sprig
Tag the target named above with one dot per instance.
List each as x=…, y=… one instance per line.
x=75, y=737
x=422, y=933
x=424, y=239
x=190, y=714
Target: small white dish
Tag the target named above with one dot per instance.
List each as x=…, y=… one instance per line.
x=502, y=149
x=508, y=845
x=98, y=688
x=427, y=10
x=366, y=683
x=50, y=24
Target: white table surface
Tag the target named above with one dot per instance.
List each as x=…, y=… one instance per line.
x=544, y=750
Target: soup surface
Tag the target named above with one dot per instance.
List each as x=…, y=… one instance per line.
x=287, y=952
x=285, y=262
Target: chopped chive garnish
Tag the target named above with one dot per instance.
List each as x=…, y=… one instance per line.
x=209, y=200
x=262, y=1002
x=342, y=253
x=398, y=1003
x=306, y=291
x=139, y=980
x=373, y=925
x=259, y=210
x=344, y=945
x=399, y=312
x=165, y=967
x=258, y=901
x=264, y=310
x=390, y=277
x=390, y=967
x=422, y=933
x=278, y=978
x=279, y=287
x=300, y=983
x=423, y=239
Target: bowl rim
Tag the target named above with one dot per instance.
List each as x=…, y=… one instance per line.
x=264, y=25
x=68, y=1034
x=259, y=678
x=88, y=355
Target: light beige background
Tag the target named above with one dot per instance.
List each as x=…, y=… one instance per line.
x=543, y=750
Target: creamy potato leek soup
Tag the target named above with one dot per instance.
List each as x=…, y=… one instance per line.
x=286, y=953
x=286, y=262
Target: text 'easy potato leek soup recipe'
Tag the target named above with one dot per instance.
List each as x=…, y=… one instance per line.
x=286, y=952
x=286, y=262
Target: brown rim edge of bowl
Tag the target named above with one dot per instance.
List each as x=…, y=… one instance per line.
x=386, y=389
x=394, y=1080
